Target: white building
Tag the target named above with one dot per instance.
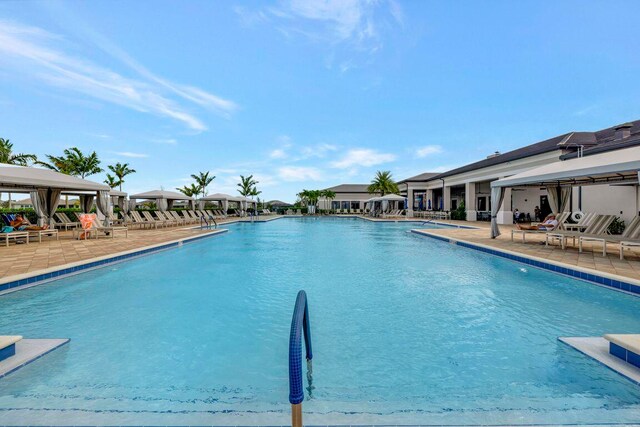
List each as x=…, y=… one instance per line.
x=471, y=183
x=348, y=196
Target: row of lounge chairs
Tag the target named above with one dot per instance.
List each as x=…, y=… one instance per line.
x=591, y=228
x=432, y=214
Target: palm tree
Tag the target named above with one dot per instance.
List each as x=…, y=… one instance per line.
x=310, y=197
x=190, y=191
x=75, y=163
x=111, y=181
x=8, y=157
x=383, y=183
x=328, y=195
x=248, y=186
x=203, y=180
x=120, y=170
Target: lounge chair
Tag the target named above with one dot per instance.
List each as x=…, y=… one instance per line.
x=148, y=217
x=170, y=220
x=597, y=227
x=631, y=232
x=62, y=220
x=138, y=220
x=51, y=232
x=560, y=218
x=581, y=225
x=14, y=235
x=96, y=229
x=628, y=244
x=177, y=217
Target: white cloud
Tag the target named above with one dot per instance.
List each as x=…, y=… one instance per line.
x=362, y=157
x=299, y=173
x=39, y=54
x=316, y=150
x=428, y=150
x=131, y=155
x=166, y=141
x=278, y=153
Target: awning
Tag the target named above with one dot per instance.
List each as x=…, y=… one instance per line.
x=160, y=194
x=619, y=166
x=219, y=197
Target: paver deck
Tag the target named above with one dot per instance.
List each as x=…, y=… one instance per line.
x=590, y=258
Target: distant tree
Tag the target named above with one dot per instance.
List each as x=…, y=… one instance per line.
x=328, y=195
x=7, y=156
x=203, y=180
x=112, y=181
x=247, y=186
x=120, y=170
x=383, y=183
x=190, y=191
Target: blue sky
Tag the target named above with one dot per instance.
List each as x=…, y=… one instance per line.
x=308, y=94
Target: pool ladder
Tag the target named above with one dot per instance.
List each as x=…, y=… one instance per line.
x=207, y=223
x=300, y=325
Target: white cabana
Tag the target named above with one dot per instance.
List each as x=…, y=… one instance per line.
x=119, y=199
x=164, y=199
x=384, y=201
x=612, y=167
x=46, y=186
x=223, y=199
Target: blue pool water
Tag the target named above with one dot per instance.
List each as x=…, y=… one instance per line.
x=406, y=329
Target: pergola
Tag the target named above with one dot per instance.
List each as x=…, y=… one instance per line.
x=164, y=199
x=613, y=167
x=46, y=186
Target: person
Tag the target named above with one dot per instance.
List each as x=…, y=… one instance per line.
x=537, y=213
x=548, y=224
x=516, y=216
x=20, y=223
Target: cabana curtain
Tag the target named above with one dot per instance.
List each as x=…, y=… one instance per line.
x=102, y=204
x=558, y=198
x=38, y=205
x=86, y=202
x=124, y=208
x=163, y=204
x=497, y=197
x=45, y=202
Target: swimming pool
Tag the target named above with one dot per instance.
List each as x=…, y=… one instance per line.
x=406, y=330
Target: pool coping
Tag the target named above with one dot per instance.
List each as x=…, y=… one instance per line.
x=47, y=345
x=27, y=280
x=607, y=280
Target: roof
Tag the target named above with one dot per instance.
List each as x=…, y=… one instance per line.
x=161, y=194
x=609, y=167
x=278, y=203
x=419, y=178
x=30, y=178
x=389, y=197
x=589, y=140
x=117, y=193
x=350, y=188
x=220, y=197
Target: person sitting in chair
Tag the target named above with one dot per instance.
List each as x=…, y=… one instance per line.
x=549, y=224
x=21, y=223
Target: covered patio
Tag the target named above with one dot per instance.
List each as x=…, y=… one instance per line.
x=164, y=199
x=223, y=199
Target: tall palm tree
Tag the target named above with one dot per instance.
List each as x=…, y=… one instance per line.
x=190, y=191
x=247, y=186
x=120, y=170
x=383, y=183
x=112, y=181
x=203, y=180
x=74, y=162
x=8, y=157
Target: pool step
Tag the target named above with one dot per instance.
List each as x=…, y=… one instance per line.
x=28, y=350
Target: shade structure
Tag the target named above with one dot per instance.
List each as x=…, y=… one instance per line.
x=223, y=198
x=45, y=188
x=164, y=199
x=610, y=167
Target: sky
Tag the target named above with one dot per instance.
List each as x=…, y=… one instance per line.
x=307, y=94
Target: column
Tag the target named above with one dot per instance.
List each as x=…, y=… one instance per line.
x=470, y=200
x=447, y=198
x=429, y=197
x=505, y=215
x=409, y=202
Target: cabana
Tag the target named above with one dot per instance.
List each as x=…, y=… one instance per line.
x=119, y=199
x=619, y=167
x=45, y=187
x=223, y=199
x=385, y=201
x=164, y=199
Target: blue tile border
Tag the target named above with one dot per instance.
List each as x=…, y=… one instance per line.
x=101, y=263
x=567, y=271
x=624, y=354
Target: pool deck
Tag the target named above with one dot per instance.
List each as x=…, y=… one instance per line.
x=591, y=258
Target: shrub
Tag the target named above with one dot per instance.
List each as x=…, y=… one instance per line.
x=617, y=226
x=460, y=213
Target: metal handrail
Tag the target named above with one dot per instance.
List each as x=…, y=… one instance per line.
x=300, y=324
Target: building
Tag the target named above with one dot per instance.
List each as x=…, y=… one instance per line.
x=348, y=196
x=471, y=183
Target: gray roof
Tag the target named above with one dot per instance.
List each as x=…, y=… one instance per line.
x=350, y=188
x=418, y=178
x=28, y=178
x=160, y=194
x=278, y=203
x=590, y=140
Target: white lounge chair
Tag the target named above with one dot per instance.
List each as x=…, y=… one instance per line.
x=597, y=227
x=631, y=232
x=560, y=218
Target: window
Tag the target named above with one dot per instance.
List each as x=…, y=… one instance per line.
x=482, y=204
x=335, y=205
x=355, y=205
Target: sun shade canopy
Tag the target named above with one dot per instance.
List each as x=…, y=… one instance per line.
x=388, y=197
x=160, y=194
x=218, y=197
x=26, y=179
x=620, y=166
